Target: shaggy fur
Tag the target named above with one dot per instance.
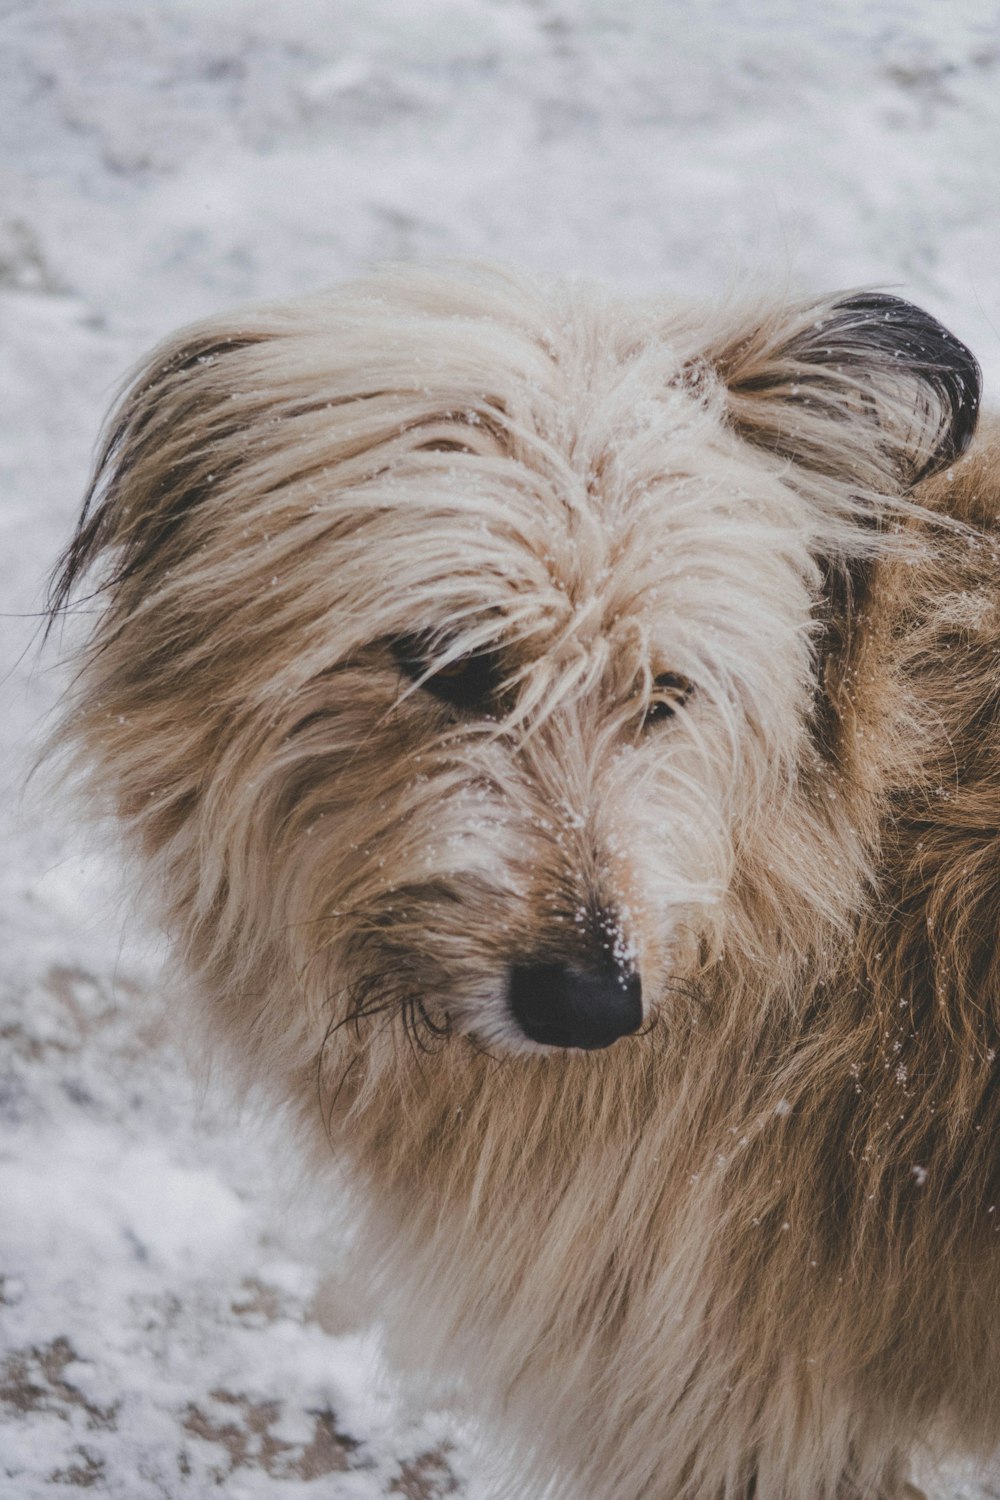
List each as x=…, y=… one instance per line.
x=447, y=622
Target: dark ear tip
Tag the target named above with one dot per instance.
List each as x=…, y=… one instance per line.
x=899, y=332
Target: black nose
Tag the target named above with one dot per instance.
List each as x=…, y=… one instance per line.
x=561, y=1006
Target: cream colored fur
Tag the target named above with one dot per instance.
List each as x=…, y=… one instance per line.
x=754, y=1249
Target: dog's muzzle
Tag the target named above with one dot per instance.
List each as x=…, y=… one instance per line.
x=558, y=1005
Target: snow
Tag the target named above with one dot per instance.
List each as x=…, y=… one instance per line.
x=162, y=1334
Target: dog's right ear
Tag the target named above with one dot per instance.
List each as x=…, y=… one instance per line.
x=867, y=388
x=174, y=433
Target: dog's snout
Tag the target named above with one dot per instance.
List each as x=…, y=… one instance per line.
x=559, y=1005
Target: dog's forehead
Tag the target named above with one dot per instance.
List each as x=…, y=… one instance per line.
x=597, y=511
x=511, y=473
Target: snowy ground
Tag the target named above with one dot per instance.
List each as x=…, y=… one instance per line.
x=159, y=1329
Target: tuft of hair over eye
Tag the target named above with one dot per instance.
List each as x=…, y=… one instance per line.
x=671, y=690
x=472, y=682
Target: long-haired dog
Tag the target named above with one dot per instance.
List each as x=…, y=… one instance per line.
x=563, y=736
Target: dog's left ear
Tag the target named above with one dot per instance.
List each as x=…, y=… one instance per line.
x=863, y=397
x=868, y=388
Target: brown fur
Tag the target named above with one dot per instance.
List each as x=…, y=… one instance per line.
x=754, y=1249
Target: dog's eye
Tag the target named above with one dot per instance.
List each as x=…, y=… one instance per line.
x=469, y=682
x=671, y=691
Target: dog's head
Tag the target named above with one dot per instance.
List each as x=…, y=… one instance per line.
x=470, y=652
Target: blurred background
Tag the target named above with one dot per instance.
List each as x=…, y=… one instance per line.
x=163, y=1333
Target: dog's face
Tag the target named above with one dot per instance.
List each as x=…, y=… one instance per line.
x=551, y=692
x=462, y=665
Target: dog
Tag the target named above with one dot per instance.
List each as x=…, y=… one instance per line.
x=561, y=733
